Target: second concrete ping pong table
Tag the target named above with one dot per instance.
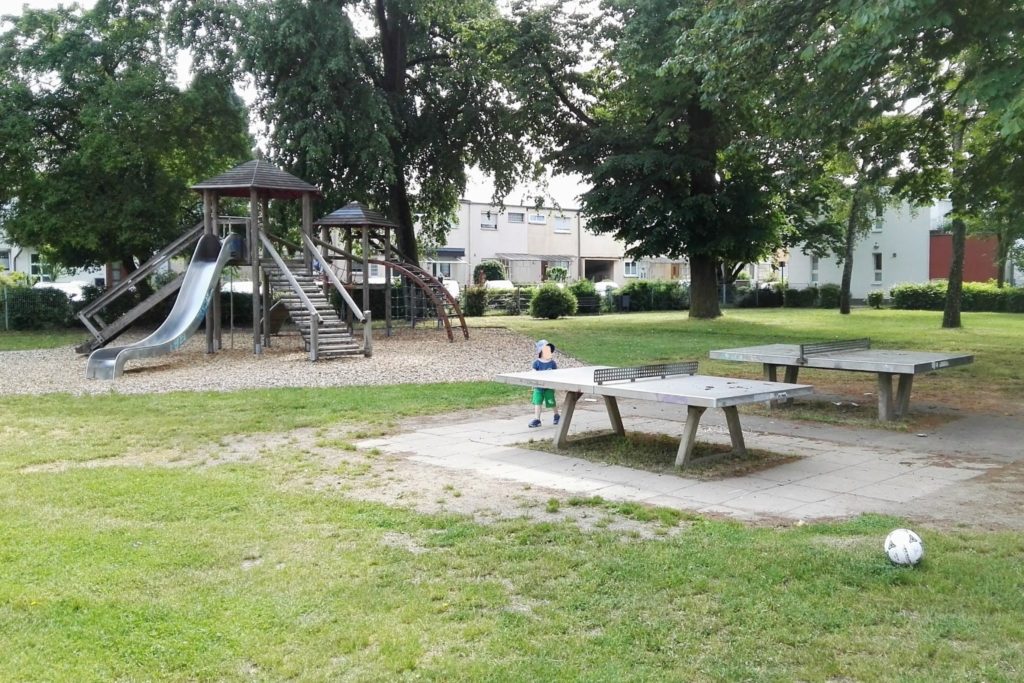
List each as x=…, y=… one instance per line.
x=854, y=355
x=671, y=383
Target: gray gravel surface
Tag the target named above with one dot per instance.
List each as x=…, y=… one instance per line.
x=415, y=356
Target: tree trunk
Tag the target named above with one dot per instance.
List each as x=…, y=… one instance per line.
x=401, y=213
x=704, y=287
x=851, y=238
x=1002, y=254
x=393, y=26
x=955, y=288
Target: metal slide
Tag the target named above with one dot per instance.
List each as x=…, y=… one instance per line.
x=188, y=312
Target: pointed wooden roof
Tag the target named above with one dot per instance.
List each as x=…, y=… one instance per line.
x=356, y=214
x=257, y=175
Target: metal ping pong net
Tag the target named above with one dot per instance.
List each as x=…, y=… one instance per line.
x=832, y=347
x=644, y=371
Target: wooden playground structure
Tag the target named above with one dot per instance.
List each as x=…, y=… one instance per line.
x=314, y=281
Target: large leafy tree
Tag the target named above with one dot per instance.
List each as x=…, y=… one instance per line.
x=99, y=145
x=946, y=64
x=385, y=101
x=676, y=169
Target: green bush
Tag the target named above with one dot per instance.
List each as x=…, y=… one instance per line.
x=558, y=274
x=474, y=300
x=551, y=301
x=828, y=295
x=490, y=270
x=34, y=309
x=977, y=296
x=929, y=296
x=875, y=299
x=655, y=295
x=583, y=288
x=800, y=298
x=770, y=297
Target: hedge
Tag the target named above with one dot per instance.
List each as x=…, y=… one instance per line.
x=655, y=295
x=24, y=308
x=977, y=296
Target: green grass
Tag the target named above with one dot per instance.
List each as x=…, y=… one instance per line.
x=245, y=570
x=242, y=571
x=49, y=339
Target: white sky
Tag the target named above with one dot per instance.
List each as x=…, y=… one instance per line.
x=562, y=190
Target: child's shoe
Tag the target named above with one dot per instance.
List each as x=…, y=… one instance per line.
x=556, y=419
x=534, y=423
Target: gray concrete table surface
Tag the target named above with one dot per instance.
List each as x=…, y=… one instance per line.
x=696, y=392
x=885, y=363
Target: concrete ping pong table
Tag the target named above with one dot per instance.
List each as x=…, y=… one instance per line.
x=853, y=355
x=673, y=383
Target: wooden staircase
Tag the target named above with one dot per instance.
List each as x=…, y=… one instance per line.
x=334, y=338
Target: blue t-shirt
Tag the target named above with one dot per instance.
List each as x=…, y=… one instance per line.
x=539, y=364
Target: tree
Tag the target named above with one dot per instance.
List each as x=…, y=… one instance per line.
x=675, y=170
x=99, y=145
x=391, y=115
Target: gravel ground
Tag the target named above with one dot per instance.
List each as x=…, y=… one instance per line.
x=416, y=356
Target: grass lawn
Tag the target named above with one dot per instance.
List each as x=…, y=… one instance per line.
x=245, y=570
x=48, y=339
x=124, y=556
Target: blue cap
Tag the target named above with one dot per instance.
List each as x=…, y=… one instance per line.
x=539, y=346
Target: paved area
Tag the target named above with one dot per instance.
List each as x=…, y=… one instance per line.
x=843, y=472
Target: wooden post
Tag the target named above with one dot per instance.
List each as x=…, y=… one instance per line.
x=366, y=267
x=387, y=281
x=307, y=229
x=212, y=309
x=254, y=260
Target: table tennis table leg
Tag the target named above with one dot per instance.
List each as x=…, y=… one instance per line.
x=612, y=406
x=771, y=374
x=563, y=425
x=732, y=418
x=885, y=407
x=685, y=453
x=903, y=395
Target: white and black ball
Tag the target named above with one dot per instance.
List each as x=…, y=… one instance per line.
x=904, y=547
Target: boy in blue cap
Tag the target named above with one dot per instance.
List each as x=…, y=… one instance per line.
x=544, y=397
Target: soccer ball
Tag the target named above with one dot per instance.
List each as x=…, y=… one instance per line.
x=904, y=547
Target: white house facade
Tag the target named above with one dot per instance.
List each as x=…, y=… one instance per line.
x=531, y=240
x=895, y=250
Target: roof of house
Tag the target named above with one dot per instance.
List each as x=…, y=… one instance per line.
x=267, y=179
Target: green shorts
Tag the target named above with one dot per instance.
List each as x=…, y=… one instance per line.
x=545, y=397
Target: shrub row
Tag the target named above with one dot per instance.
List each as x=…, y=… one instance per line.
x=977, y=296
x=643, y=295
x=24, y=308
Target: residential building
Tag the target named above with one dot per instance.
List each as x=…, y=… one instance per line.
x=904, y=244
x=530, y=240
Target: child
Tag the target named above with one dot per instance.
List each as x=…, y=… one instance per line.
x=544, y=397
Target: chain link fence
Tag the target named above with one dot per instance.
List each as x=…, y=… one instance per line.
x=25, y=308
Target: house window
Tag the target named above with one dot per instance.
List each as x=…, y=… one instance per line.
x=537, y=219
x=877, y=258
x=5, y=259
x=629, y=269
x=36, y=265
x=443, y=270
x=876, y=225
x=488, y=221
x=814, y=269
x=563, y=224
x=516, y=217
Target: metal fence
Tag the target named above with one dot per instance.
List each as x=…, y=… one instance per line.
x=24, y=308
